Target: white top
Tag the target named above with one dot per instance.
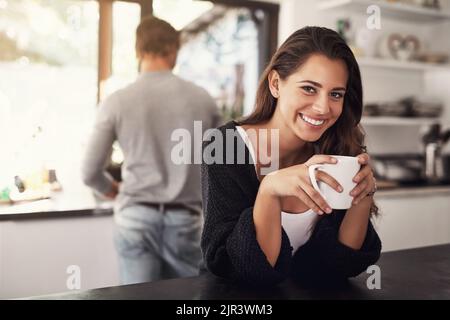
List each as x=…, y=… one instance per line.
x=298, y=226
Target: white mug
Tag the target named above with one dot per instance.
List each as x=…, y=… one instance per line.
x=343, y=171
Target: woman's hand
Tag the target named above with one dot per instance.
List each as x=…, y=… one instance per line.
x=365, y=180
x=295, y=181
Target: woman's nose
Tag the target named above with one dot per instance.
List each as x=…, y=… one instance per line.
x=321, y=105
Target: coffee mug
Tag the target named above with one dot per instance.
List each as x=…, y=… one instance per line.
x=343, y=171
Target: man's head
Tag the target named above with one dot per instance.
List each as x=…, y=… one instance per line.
x=157, y=39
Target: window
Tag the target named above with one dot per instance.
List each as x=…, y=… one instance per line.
x=125, y=19
x=48, y=87
x=219, y=51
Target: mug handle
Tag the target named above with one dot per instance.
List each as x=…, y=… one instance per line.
x=312, y=177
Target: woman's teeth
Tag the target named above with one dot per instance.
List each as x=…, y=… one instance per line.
x=312, y=121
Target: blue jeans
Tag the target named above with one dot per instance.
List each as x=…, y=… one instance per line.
x=157, y=244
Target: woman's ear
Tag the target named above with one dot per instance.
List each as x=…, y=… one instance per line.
x=274, y=81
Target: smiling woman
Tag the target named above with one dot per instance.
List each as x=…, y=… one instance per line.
x=262, y=228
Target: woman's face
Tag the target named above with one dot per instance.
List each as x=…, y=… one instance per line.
x=311, y=99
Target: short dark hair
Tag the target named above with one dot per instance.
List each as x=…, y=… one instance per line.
x=156, y=36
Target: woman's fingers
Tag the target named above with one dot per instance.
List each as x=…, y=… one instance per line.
x=317, y=198
x=320, y=158
x=363, y=158
x=303, y=196
x=332, y=182
x=362, y=174
x=362, y=194
x=359, y=189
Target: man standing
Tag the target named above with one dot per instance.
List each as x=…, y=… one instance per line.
x=157, y=210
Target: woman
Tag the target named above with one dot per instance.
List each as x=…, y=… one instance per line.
x=261, y=228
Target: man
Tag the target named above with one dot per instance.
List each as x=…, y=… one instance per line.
x=158, y=206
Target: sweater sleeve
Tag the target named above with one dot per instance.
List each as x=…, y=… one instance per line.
x=325, y=258
x=99, y=148
x=229, y=244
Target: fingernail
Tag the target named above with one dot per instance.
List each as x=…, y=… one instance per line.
x=328, y=210
x=356, y=179
x=334, y=160
x=320, y=212
x=340, y=189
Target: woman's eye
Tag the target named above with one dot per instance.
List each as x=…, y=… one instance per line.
x=337, y=95
x=309, y=89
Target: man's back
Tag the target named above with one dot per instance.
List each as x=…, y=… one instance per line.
x=143, y=116
x=157, y=216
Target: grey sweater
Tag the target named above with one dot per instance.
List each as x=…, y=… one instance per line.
x=142, y=117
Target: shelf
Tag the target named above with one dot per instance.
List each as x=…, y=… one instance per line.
x=398, y=121
x=405, y=65
x=401, y=11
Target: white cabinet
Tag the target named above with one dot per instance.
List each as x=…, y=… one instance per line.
x=413, y=218
x=35, y=254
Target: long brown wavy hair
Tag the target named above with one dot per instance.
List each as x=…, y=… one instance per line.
x=345, y=136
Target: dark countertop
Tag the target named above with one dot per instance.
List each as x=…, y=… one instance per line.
x=56, y=214
x=422, y=273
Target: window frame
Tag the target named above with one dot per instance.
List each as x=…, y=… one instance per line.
x=105, y=37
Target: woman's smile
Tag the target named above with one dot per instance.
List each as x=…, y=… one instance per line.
x=313, y=122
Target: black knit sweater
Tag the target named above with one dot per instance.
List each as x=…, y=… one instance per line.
x=229, y=244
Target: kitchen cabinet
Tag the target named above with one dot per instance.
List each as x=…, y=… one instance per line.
x=36, y=253
x=413, y=217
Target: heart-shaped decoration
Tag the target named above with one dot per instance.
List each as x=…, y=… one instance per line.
x=403, y=48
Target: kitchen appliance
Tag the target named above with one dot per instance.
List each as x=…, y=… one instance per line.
x=435, y=167
x=399, y=168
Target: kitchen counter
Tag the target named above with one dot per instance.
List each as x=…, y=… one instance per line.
x=61, y=204
x=422, y=273
x=65, y=204
x=414, y=190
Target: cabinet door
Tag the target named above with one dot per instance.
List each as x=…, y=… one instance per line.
x=413, y=221
x=35, y=255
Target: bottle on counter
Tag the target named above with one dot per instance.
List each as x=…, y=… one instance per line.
x=19, y=184
x=4, y=195
x=53, y=180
